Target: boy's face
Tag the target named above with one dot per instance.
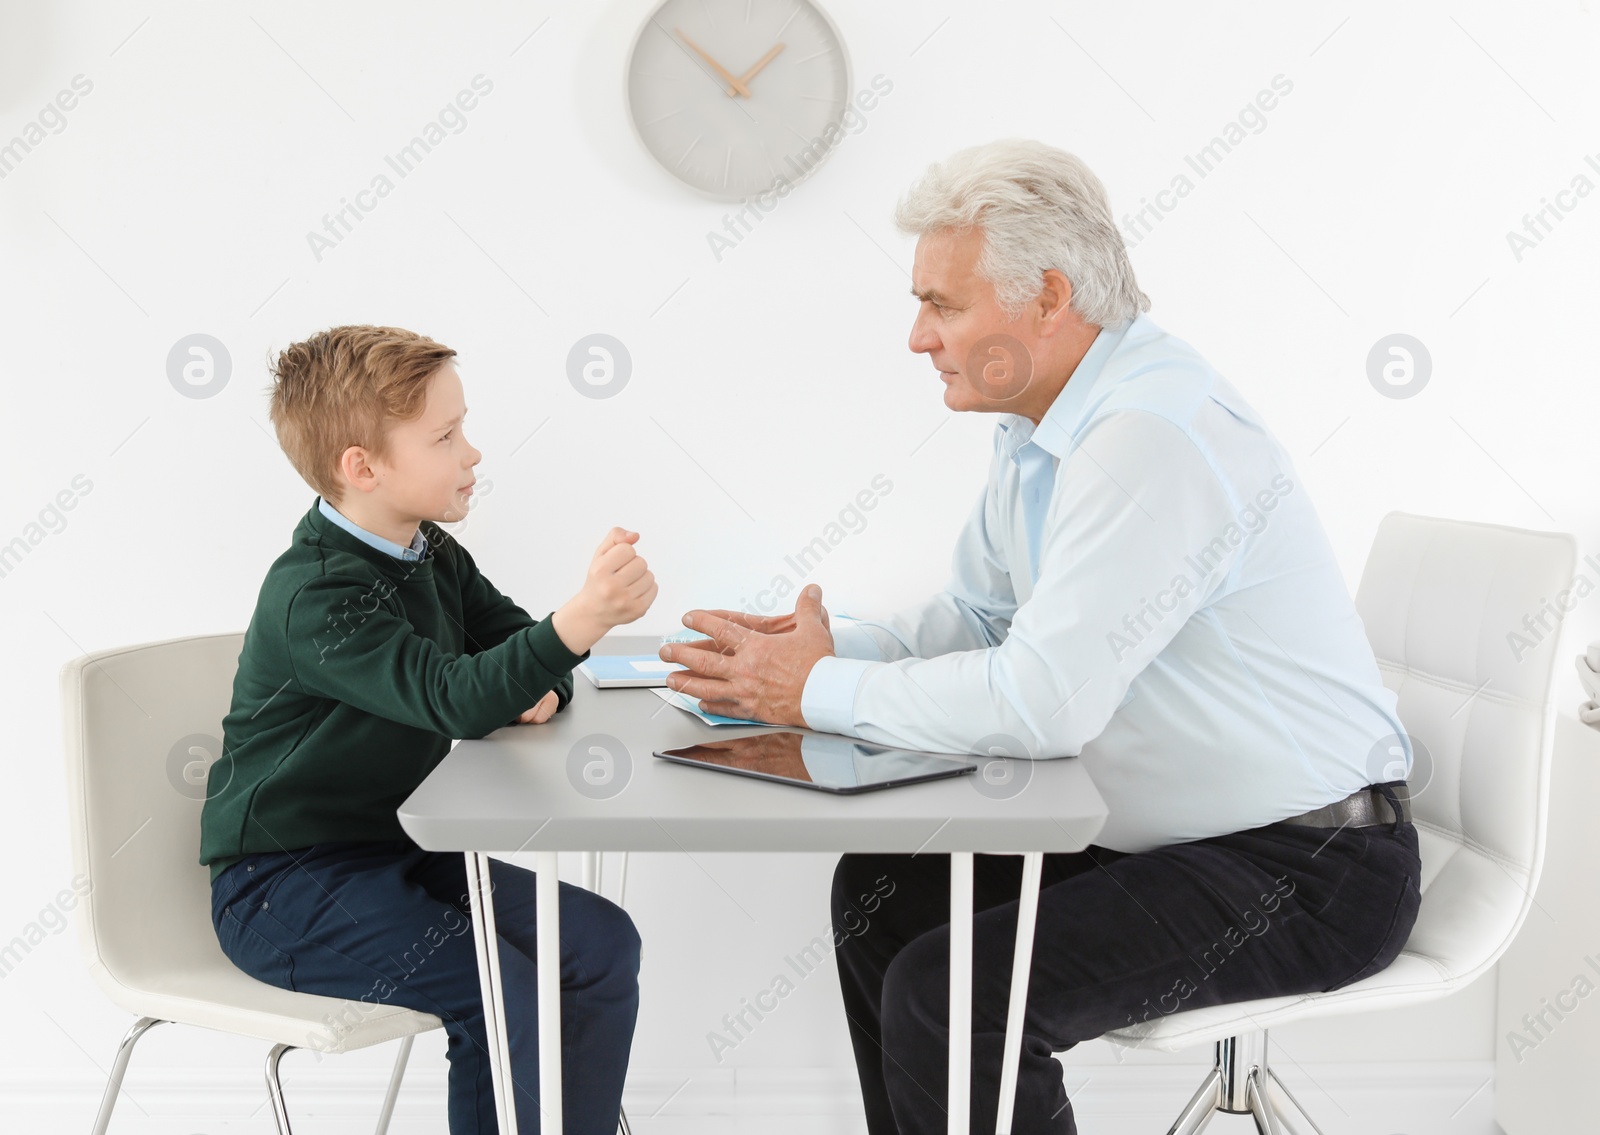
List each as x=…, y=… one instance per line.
x=428, y=472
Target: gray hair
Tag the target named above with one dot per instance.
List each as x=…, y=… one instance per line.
x=1039, y=208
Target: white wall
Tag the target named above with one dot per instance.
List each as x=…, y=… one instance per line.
x=769, y=387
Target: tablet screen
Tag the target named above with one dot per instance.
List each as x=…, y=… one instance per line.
x=822, y=761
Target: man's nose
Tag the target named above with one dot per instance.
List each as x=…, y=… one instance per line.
x=923, y=339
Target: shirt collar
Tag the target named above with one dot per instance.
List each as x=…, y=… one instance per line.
x=1060, y=422
x=419, y=542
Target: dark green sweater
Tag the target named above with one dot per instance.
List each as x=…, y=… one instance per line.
x=357, y=670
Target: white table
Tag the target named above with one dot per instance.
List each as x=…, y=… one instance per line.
x=512, y=792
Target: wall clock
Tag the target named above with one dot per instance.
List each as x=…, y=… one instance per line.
x=733, y=97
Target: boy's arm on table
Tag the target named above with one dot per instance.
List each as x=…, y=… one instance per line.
x=347, y=645
x=490, y=618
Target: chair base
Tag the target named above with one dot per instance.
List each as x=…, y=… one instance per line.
x=1238, y=1084
x=274, y=1088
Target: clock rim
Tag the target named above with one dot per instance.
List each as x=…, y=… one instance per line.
x=633, y=123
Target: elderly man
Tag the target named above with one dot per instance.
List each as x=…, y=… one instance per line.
x=1144, y=583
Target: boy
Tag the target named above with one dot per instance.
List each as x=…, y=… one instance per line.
x=375, y=640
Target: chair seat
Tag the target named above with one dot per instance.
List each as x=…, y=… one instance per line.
x=215, y=994
x=1409, y=979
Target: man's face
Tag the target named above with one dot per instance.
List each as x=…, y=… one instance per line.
x=428, y=473
x=984, y=359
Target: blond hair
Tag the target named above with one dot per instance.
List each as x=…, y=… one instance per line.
x=345, y=386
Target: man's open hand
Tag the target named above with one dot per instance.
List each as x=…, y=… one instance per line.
x=753, y=667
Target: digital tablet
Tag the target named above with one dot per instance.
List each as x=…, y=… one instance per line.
x=821, y=761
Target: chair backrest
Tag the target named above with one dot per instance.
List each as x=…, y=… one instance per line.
x=140, y=726
x=1463, y=620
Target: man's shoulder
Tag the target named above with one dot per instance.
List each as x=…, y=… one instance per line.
x=1162, y=374
x=1155, y=370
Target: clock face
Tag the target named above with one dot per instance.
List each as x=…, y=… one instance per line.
x=730, y=96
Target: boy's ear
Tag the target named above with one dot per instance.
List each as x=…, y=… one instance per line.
x=353, y=465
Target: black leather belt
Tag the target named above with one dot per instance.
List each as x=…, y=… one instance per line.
x=1362, y=808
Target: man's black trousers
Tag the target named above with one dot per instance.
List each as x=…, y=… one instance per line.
x=1121, y=938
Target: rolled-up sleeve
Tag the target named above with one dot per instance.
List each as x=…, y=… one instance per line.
x=1135, y=501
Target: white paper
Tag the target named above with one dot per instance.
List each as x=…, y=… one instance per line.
x=691, y=705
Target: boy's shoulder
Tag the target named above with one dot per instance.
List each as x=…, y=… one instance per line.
x=311, y=556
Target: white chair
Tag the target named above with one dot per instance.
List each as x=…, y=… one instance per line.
x=140, y=725
x=1440, y=600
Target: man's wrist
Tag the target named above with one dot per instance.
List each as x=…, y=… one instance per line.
x=828, y=697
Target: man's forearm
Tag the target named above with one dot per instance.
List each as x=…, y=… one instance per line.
x=943, y=624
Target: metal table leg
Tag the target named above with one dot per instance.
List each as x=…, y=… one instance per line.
x=1021, y=965
x=548, y=960
x=960, y=992
x=959, y=1120
x=486, y=941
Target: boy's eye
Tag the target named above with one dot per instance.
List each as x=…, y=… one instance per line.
x=446, y=437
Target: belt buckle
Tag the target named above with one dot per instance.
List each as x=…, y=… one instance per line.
x=1402, y=795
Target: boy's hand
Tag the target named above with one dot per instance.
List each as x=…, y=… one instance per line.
x=542, y=712
x=618, y=589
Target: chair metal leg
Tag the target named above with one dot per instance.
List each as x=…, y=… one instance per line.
x=1261, y=1109
x=118, y=1067
x=622, y=1116
x=275, y=1089
x=394, y=1085
x=1238, y=1059
x=1240, y=1083
x=1294, y=1103
x=1199, y=1110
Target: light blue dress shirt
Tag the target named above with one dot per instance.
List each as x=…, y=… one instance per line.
x=419, y=542
x=1189, y=634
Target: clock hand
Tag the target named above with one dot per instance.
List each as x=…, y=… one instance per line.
x=760, y=63
x=734, y=84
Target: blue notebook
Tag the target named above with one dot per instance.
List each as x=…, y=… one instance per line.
x=612, y=671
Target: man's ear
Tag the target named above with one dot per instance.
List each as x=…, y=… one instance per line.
x=1053, y=305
